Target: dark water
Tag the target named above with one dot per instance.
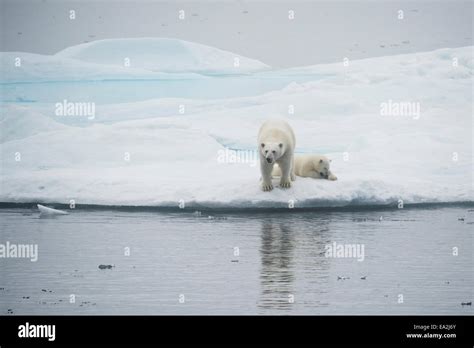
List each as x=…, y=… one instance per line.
x=281, y=266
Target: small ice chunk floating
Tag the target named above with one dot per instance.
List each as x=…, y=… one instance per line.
x=50, y=211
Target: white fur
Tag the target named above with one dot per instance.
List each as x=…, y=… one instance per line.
x=276, y=144
x=310, y=166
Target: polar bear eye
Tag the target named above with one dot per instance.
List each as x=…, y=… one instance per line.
x=274, y=152
x=266, y=151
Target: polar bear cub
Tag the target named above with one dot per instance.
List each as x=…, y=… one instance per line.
x=310, y=166
x=276, y=144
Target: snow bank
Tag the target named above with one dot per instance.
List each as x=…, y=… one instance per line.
x=29, y=67
x=18, y=122
x=148, y=153
x=164, y=55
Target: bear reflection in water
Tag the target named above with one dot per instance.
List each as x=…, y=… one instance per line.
x=283, y=246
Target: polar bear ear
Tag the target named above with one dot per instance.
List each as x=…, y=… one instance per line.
x=262, y=145
x=281, y=145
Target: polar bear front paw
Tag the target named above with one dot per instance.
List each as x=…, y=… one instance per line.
x=267, y=187
x=285, y=184
x=332, y=177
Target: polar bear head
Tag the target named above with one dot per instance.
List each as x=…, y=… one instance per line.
x=272, y=151
x=321, y=165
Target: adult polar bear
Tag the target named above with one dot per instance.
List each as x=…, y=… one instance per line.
x=276, y=143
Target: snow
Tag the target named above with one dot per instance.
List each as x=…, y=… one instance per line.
x=164, y=55
x=125, y=59
x=22, y=67
x=148, y=153
x=18, y=122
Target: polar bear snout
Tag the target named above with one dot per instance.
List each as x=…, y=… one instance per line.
x=269, y=160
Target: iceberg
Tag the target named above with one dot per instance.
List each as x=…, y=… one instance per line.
x=153, y=153
x=163, y=55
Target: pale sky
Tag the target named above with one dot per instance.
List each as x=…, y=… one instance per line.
x=321, y=31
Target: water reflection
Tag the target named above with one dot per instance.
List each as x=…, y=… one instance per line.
x=287, y=248
x=276, y=275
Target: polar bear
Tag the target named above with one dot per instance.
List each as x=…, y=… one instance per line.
x=276, y=143
x=310, y=166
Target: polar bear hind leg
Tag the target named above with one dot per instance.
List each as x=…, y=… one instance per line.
x=292, y=172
